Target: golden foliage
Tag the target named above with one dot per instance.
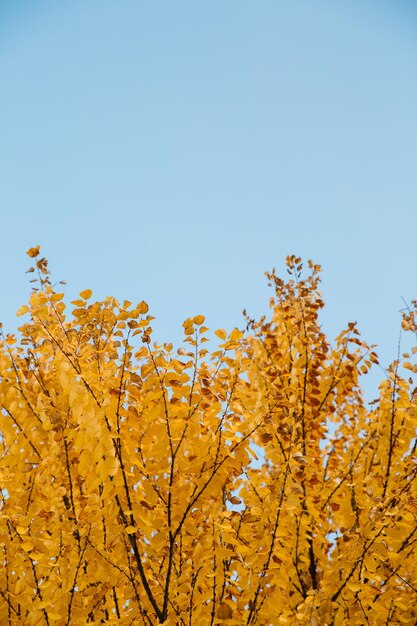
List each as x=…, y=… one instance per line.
x=247, y=485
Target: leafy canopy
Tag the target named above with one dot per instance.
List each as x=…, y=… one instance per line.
x=251, y=484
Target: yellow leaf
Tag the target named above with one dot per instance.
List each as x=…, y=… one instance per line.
x=86, y=294
x=54, y=616
x=32, y=252
x=198, y=320
x=85, y=462
x=142, y=307
x=28, y=545
x=109, y=467
x=236, y=334
x=23, y=310
x=44, y=604
x=221, y=333
x=20, y=586
x=224, y=611
x=130, y=530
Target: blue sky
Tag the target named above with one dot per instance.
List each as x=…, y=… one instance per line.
x=175, y=151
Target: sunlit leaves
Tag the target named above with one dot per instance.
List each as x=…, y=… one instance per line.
x=251, y=484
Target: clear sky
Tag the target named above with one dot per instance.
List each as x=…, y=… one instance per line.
x=174, y=151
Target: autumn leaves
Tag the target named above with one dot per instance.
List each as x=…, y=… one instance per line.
x=144, y=484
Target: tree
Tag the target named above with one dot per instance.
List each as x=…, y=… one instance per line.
x=247, y=485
